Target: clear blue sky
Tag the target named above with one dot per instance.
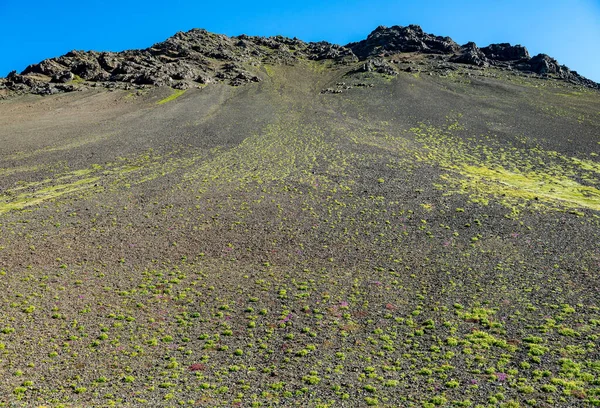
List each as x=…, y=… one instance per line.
x=568, y=30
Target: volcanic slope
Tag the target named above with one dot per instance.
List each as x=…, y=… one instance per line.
x=421, y=241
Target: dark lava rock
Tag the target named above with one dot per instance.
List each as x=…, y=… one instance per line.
x=204, y=79
x=331, y=91
x=181, y=86
x=65, y=88
x=87, y=69
x=378, y=65
x=324, y=50
x=470, y=54
x=505, y=52
x=244, y=78
x=387, y=41
x=49, y=67
x=108, y=61
x=236, y=75
x=63, y=77
x=198, y=56
x=22, y=80
x=543, y=64
x=45, y=89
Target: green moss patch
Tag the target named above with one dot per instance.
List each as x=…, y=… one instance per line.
x=176, y=94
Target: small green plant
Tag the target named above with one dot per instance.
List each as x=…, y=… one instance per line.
x=371, y=401
x=369, y=388
x=312, y=379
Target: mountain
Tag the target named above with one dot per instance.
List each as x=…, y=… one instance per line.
x=215, y=221
x=200, y=57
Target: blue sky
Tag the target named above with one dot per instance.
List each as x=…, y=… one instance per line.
x=568, y=30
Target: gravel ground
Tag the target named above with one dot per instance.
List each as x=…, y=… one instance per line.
x=426, y=241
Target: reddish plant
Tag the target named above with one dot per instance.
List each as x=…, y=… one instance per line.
x=197, y=367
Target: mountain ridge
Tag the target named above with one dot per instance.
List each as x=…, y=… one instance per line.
x=200, y=57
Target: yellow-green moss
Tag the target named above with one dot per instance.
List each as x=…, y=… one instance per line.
x=530, y=186
x=176, y=94
x=486, y=170
x=28, y=199
x=269, y=70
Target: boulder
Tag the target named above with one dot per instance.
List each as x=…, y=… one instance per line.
x=505, y=52
x=543, y=64
x=244, y=78
x=203, y=79
x=87, y=68
x=108, y=61
x=62, y=77
x=181, y=86
x=178, y=70
x=470, y=54
x=148, y=77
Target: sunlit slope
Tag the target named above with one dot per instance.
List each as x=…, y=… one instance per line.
x=428, y=241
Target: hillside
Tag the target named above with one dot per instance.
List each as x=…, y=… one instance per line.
x=251, y=221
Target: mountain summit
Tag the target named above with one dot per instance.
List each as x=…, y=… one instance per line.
x=198, y=56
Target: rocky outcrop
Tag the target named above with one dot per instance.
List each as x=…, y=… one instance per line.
x=543, y=64
x=378, y=65
x=200, y=57
x=505, y=52
x=324, y=50
x=196, y=56
x=470, y=54
x=516, y=57
x=387, y=41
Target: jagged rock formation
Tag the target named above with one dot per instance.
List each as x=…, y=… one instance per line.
x=543, y=64
x=195, y=56
x=470, y=54
x=387, y=41
x=384, y=42
x=505, y=52
x=200, y=57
